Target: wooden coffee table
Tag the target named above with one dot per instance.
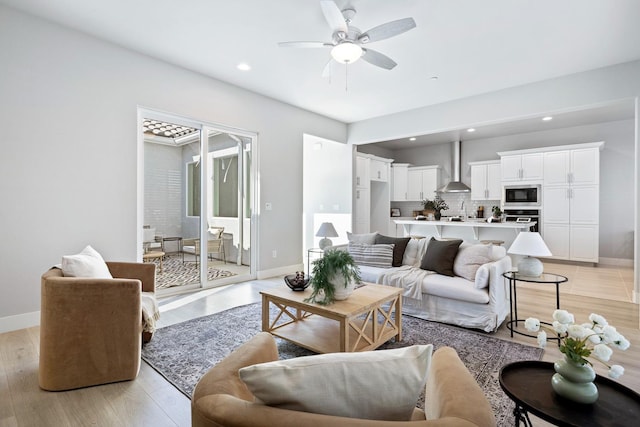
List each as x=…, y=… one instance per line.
x=371, y=316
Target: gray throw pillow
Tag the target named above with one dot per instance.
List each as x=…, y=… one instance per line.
x=440, y=255
x=371, y=255
x=367, y=238
x=399, y=248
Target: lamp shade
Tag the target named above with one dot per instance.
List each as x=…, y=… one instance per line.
x=327, y=230
x=529, y=243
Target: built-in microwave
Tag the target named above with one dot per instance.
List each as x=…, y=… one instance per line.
x=522, y=195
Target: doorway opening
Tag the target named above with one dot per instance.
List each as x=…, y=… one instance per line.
x=196, y=198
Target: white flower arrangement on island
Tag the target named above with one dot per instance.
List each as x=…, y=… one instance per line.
x=578, y=342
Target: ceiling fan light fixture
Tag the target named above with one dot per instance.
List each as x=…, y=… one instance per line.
x=346, y=52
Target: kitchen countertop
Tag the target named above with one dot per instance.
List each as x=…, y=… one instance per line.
x=474, y=224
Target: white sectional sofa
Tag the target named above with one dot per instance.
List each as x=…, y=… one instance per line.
x=482, y=303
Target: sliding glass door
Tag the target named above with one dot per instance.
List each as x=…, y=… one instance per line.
x=198, y=201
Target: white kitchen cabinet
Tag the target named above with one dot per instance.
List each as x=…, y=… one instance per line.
x=399, y=181
x=572, y=167
x=522, y=167
x=378, y=170
x=486, y=180
x=572, y=242
x=422, y=182
x=371, y=205
x=362, y=171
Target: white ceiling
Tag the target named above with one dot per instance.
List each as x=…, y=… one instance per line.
x=472, y=46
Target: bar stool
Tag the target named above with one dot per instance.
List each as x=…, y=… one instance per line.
x=492, y=242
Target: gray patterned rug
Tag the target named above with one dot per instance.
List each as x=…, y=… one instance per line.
x=184, y=352
x=176, y=273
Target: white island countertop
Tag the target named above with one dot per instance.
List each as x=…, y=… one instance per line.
x=411, y=225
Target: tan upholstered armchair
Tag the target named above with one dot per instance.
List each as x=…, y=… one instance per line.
x=215, y=245
x=221, y=399
x=91, y=329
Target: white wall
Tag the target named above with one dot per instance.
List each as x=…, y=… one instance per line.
x=68, y=108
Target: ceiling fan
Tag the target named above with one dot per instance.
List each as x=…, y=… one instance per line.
x=348, y=42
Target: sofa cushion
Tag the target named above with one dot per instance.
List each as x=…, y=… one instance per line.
x=373, y=255
x=88, y=263
x=455, y=288
x=414, y=252
x=400, y=245
x=380, y=385
x=470, y=258
x=440, y=256
x=482, y=277
x=368, y=238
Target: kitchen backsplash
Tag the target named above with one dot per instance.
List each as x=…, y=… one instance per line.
x=455, y=202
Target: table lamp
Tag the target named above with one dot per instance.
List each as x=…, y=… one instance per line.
x=325, y=231
x=529, y=244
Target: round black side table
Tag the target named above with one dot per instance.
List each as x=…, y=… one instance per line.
x=528, y=384
x=514, y=278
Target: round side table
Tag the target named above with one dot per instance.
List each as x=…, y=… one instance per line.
x=514, y=277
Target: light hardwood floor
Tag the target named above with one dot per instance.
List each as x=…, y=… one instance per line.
x=150, y=400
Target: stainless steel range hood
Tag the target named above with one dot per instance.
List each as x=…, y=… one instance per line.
x=455, y=185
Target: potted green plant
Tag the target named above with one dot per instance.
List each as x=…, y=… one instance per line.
x=497, y=212
x=333, y=277
x=437, y=205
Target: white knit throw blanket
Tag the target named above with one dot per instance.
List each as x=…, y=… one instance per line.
x=406, y=277
x=150, y=312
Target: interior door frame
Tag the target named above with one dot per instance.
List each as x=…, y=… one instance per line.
x=204, y=127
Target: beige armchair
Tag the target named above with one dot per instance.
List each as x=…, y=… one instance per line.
x=91, y=329
x=453, y=398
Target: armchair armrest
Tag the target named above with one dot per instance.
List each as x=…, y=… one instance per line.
x=144, y=272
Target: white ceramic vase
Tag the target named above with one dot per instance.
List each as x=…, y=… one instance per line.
x=342, y=292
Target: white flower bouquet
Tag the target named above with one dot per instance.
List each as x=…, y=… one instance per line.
x=578, y=342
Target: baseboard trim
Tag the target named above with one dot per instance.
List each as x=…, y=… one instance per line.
x=280, y=271
x=19, y=321
x=618, y=262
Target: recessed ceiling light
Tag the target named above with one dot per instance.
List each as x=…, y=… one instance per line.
x=547, y=118
x=412, y=138
x=471, y=130
x=243, y=66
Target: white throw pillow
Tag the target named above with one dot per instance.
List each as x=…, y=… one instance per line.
x=376, y=385
x=88, y=263
x=414, y=252
x=380, y=255
x=470, y=258
x=368, y=238
x=482, y=277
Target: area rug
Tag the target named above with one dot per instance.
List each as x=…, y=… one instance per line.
x=176, y=273
x=184, y=352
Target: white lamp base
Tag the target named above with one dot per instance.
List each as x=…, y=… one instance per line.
x=531, y=267
x=325, y=243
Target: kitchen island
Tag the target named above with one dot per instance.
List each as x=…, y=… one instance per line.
x=470, y=230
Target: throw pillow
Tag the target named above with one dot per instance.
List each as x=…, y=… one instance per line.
x=414, y=252
x=440, y=255
x=368, y=238
x=482, y=277
x=88, y=263
x=400, y=245
x=376, y=385
x=372, y=255
x=469, y=260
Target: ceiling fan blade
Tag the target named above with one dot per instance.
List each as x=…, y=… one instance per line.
x=304, y=44
x=334, y=17
x=387, y=30
x=378, y=59
x=326, y=71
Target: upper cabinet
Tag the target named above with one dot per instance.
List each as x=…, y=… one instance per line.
x=378, y=170
x=400, y=177
x=572, y=167
x=422, y=182
x=521, y=167
x=362, y=171
x=486, y=180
